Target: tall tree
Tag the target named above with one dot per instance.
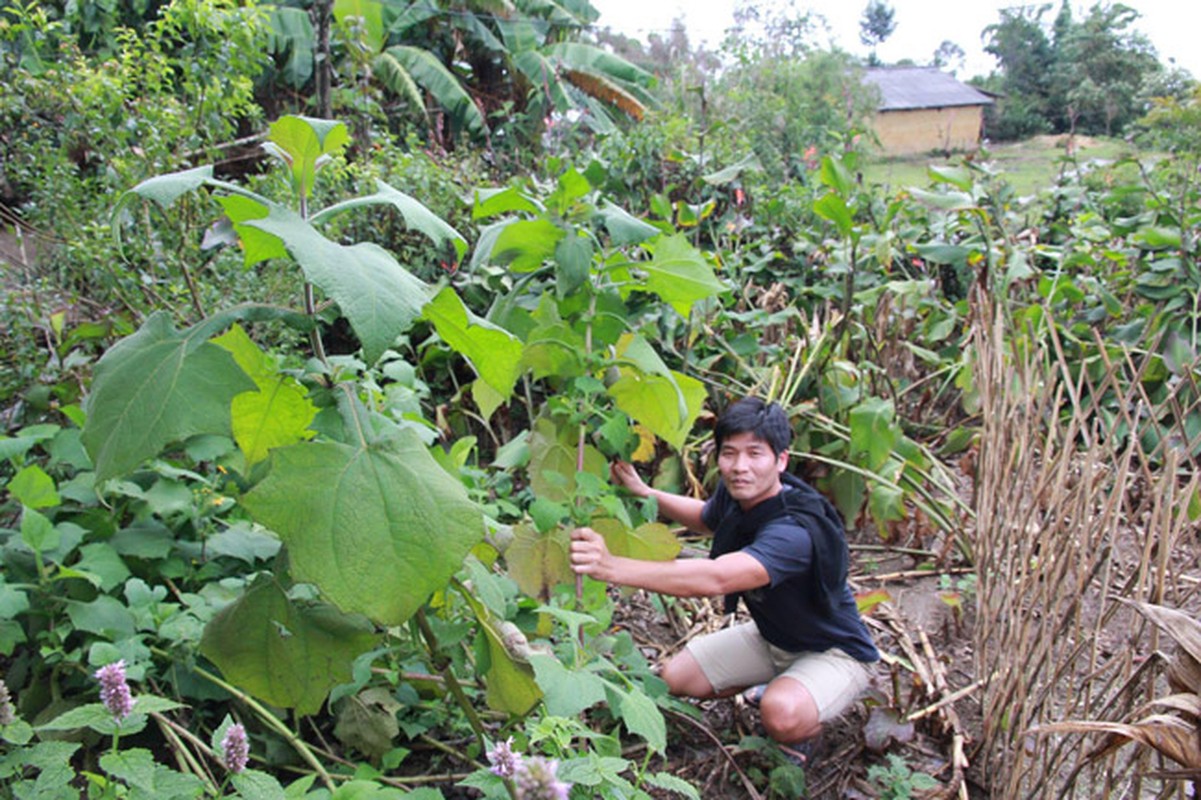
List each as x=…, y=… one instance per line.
x=949, y=54
x=1105, y=64
x=1026, y=59
x=877, y=24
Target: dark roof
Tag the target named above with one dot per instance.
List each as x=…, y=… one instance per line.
x=912, y=88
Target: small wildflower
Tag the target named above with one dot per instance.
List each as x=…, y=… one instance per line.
x=235, y=749
x=536, y=779
x=504, y=761
x=114, y=691
x=7, y=713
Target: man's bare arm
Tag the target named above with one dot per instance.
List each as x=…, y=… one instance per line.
x=733, y=572
x=684, y=510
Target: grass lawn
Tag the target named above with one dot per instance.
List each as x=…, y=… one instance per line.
x=1030, y=166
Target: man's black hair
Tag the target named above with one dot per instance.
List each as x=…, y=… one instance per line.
x=767, y=421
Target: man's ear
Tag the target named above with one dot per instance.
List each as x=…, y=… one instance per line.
x=782, y=461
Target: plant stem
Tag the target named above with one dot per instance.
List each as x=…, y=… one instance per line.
x=310, y=305
x=183, y=755
x=442, y=664
x=272, y=722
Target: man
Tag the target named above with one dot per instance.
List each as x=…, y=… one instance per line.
x=780, y=546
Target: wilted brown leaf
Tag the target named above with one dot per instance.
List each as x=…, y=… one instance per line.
x=1184, y=673
x=604, y=89
x=1171, y=736
x=1187, y=703
x=1184, y=629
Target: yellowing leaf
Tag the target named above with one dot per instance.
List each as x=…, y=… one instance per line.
x=539, y=562
x=652, y=541
x=646, y=445
x=554, y=460
x=510, y=683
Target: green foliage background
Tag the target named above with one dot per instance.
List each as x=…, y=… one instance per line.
x=299, y=415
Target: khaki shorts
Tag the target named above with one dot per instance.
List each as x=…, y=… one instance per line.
x=739, y=657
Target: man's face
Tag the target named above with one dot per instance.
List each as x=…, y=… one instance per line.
x=749, y=468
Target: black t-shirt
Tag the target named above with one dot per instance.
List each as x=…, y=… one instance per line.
x=786, y=610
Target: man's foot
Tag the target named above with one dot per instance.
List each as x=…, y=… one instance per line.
x=754, y=695
x=801, y=753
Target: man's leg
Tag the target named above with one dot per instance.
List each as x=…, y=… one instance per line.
x=684, y=678
x=816, y=688
x=789, y=712
x=719, y=664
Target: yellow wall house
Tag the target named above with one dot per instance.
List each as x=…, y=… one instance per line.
x=923, y=109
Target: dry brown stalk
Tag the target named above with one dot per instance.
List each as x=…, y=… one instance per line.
x=1073, y=513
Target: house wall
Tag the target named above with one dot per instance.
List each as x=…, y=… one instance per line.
x=911, y=132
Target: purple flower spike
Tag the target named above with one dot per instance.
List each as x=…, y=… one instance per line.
x=235, y=749
x=504, y=761
x=114, y=691
x=7, y=713
x=536, y=779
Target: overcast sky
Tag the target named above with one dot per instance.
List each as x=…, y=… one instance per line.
x=1173, y=26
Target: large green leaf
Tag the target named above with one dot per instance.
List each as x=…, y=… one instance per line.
x=647, y=389
x=539, y=562
x=291, y=34
x=639, y=714
x=554, y=460
x=494, y=202
x=493, y=352
x=430, y=74
x=276, y=415
x=573, y=264
x=166, y=189
x=568, y=692
x=156, y=387
x=554, y=349
x=527, y=244
x=679, y=274
x=948, y=201
x=543, y=73
x=510, y=682
x=416, y=215
x=873, y=432
x=398, y=79
x=380, y=298
x=257, y=245
x=281, y=652
x=623, y=227
x=654, y=401
x=832, y=207
x=34, y=488
x=377, y=528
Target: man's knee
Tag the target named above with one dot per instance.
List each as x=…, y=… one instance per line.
x=789, y=712
x=684, y=677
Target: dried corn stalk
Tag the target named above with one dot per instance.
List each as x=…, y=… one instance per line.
x=1070, y=517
